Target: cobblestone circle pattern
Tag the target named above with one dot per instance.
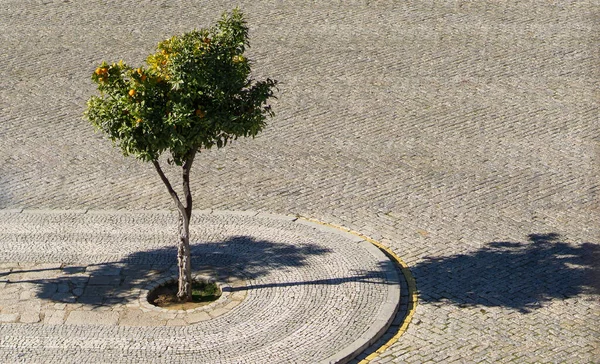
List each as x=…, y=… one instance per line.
x=463, y=135
x=297, y=291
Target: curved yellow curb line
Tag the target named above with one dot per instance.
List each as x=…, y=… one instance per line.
x=410, y=281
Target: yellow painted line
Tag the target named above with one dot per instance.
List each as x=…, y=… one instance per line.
x=410, y=281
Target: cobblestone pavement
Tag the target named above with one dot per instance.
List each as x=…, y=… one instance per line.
x=293, y=290
x=461, y=134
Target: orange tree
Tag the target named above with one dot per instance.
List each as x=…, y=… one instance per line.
x=194, y=93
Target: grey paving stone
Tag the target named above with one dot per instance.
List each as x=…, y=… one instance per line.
x=54, y=317
x=92, y=318
x=9, y=317
x=29, y=317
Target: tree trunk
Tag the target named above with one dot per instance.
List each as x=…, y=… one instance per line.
x=184, y=258
x=184, y=292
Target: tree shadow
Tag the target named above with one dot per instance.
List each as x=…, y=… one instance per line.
x=375, y=276
x=516, y=275
x=120, y=282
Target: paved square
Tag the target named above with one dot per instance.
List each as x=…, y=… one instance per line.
x=461, y=134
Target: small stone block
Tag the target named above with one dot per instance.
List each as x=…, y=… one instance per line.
x=218, y=312
x=238, y=296
x=176, y=322
x=54, y=317
x=192, y=318
x=77, y=292
x=92, y=318
x=30, y=317
x=9, y=317
x=231, y=305
x=140, y=318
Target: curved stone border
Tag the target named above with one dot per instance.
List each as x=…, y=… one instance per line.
x=412, y=301
x=412, y=295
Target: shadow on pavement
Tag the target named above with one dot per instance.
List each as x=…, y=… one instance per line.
x=516, y=275
x=362, y=276
x=239, y=257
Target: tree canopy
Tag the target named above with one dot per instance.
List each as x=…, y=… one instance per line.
x=194, y=92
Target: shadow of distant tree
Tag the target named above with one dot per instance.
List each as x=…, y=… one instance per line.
x=512, y=274
x=240, y=257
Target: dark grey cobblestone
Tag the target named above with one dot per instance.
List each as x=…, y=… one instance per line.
x=449, y=130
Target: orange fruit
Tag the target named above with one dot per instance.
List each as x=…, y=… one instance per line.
x=132, y=92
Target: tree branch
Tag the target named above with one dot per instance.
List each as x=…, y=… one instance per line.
x=169, y=187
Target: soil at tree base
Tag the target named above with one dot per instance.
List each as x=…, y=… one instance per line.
x=166, y=296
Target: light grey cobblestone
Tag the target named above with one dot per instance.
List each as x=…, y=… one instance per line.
x=289, y=291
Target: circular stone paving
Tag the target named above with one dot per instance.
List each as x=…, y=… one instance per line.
x=73, y=285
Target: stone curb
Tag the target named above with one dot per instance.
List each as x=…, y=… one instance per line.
x=412, y=301
x=389, y=309
x=412, y=296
